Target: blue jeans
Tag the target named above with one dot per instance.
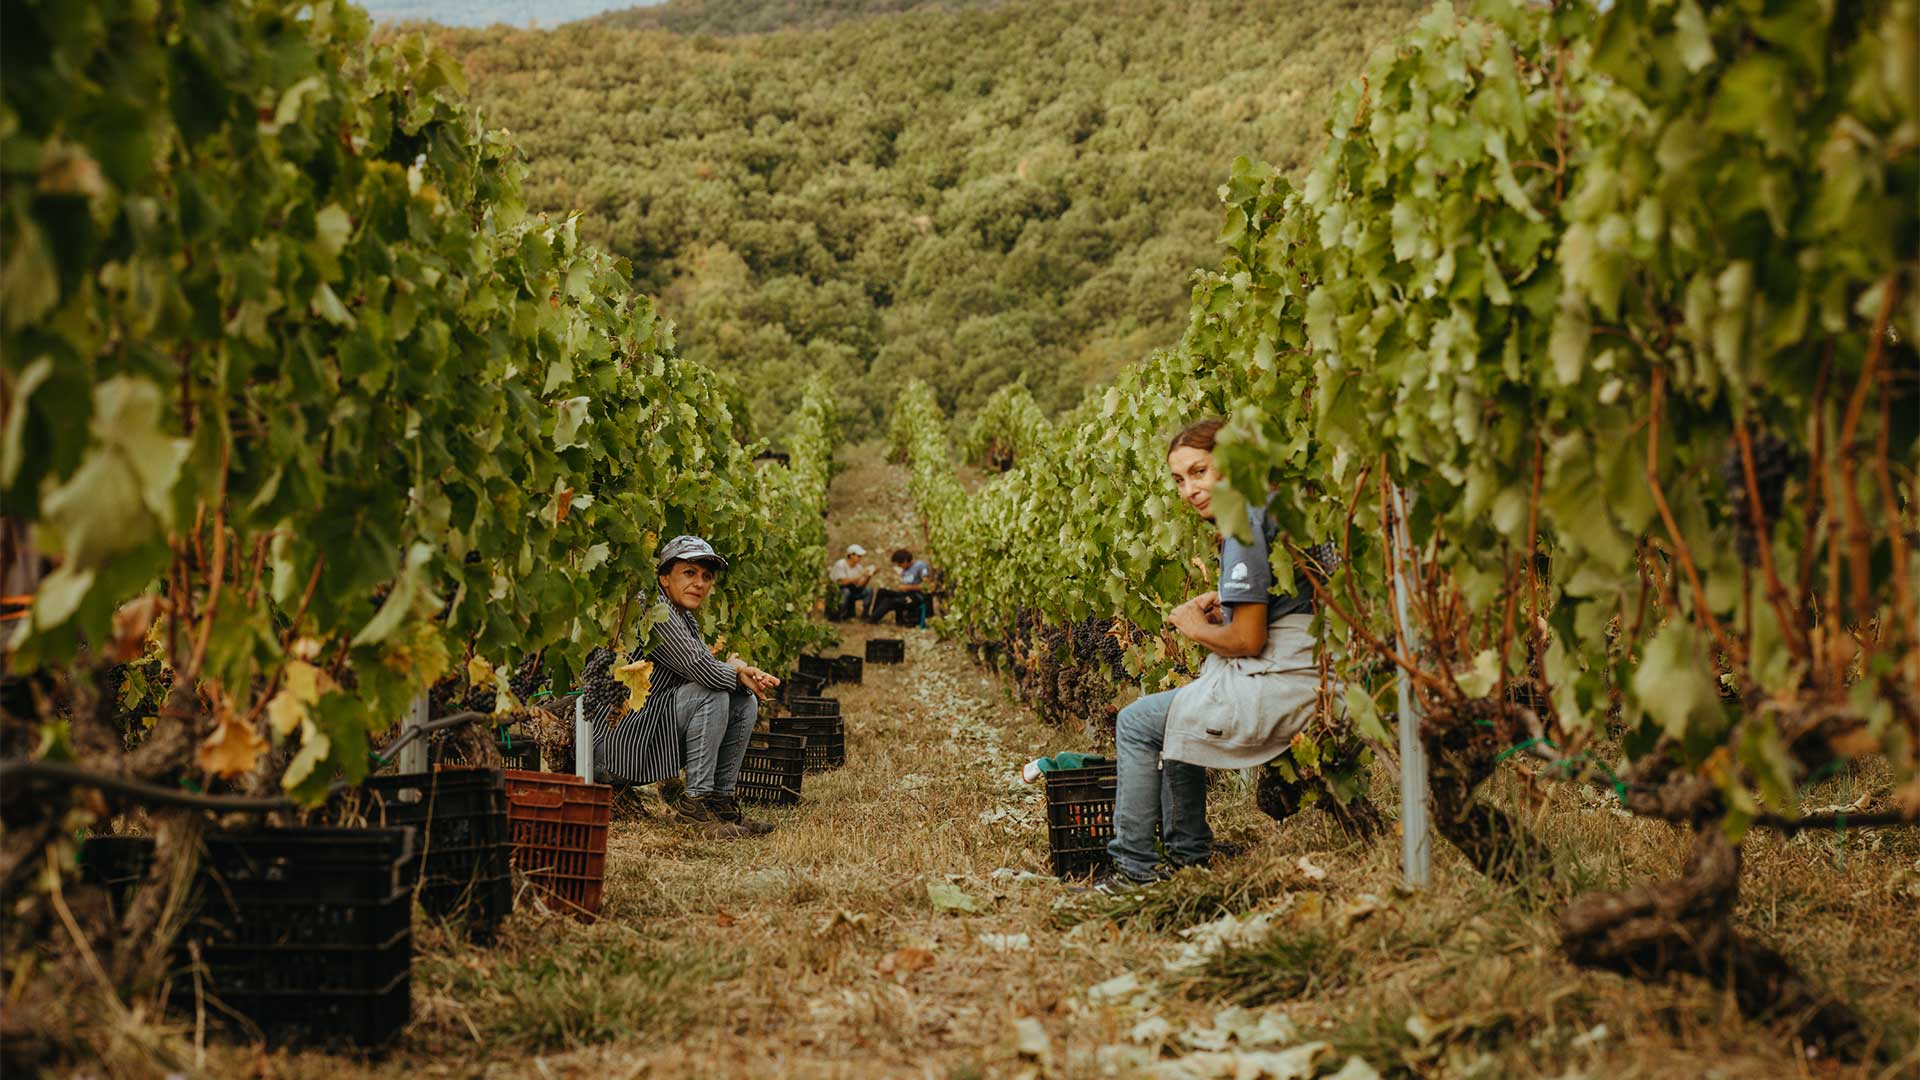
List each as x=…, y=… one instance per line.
x=1167, y=797
x=851, y=597
x=714, y=726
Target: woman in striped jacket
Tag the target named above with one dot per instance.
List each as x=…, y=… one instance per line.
x=699, y=710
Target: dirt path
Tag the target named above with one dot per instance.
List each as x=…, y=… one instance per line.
x=820, y=951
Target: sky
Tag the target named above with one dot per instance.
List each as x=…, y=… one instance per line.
x=487, y=12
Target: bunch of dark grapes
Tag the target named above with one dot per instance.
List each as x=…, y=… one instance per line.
x=1773, y=462
x=604, y=693
x=528, y=678
x=1093, y=642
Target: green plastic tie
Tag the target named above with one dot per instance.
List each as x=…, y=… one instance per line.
x=1517, y=747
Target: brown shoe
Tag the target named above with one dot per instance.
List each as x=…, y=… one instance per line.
x=727, y=809
x=701, y=815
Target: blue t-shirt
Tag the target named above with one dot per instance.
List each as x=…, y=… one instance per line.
x=915, y=574
x=1246, y=574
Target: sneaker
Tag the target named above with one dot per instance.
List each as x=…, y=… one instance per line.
x=705, y=819
x=727, y=809
x=1116, y=883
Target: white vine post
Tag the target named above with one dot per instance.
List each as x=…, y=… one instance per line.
x=413, y=756
x=582, y=739
x=1416, y=843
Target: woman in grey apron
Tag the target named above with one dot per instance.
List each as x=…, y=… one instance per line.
x=1257, y=688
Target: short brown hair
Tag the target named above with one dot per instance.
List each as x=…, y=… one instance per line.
x=1199, y=435
x=901, y=556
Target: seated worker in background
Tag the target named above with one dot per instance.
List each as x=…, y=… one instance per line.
x=855, y=581
x=1257, y=687
x=912, y=593
x=698, y=711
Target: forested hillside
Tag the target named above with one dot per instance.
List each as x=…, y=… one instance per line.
x=968, y=197
x=760, y=16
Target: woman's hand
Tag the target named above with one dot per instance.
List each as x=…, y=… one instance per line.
x=1209, y=604
x=1190, y=618
x=1239, y=631
x=758, y=683
x=1198, y=615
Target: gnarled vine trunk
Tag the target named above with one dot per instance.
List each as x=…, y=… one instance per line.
x=1685, y=927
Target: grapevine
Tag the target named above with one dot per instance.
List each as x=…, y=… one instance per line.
x=307, y=413
x=1527, y=306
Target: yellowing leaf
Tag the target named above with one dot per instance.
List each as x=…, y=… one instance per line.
x=637, y=677
x=479, y=672
x=131, y=623
x=314, y=746
x=285, y=713
x=234, y=747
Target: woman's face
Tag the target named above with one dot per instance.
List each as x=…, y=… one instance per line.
x=687, y=584
x=1194, y=477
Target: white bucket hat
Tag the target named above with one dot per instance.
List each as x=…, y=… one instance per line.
x=856, y=549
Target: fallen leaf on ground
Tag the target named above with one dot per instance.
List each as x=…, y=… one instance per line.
x=843, y=917
x=1006, y=942
x=1293, y=1063
x=1236, y=1024
x=1357, y=909
x=1356, y=1068
x=1312, y=872
x=1118, y=989
x=1154, y=1029
x=945, y=897
x=723, y=918
x=1424, y=1028
x=1030, y=1039
x=904, y=962
x=1593, y=1036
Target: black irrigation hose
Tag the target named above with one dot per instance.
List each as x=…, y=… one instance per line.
x=426, y=729
x=156, y=795
x=152, y=794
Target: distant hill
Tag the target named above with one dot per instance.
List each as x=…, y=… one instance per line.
x=723, y=17
x=1019, y=190
x=545, y=14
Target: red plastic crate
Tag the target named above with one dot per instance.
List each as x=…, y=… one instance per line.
x=559, y=828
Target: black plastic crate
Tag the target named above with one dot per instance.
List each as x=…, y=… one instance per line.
x=516, y=752
x=1080, y=818
x=772, y=769
x=304, y=934
x=801, y=684
x=886, y=651
x=814, y=706
x=520, y=753
x=826, y=739
x=465, y=869
x=817, y=667
x=847, y=669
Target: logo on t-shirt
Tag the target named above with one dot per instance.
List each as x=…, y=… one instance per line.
x=1239, y=571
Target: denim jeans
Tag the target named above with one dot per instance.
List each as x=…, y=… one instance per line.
x=892, y=600
x=850, y=598
x=714, y=725
x=1168, y=797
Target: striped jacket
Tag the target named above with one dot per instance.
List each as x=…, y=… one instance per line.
x=645, y=745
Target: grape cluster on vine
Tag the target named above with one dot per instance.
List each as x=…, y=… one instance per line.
x=1774, y=462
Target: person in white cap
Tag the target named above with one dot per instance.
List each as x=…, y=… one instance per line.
x=855, y=581
x=699, y=710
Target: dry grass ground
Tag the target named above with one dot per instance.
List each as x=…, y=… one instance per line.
x=816, y=951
